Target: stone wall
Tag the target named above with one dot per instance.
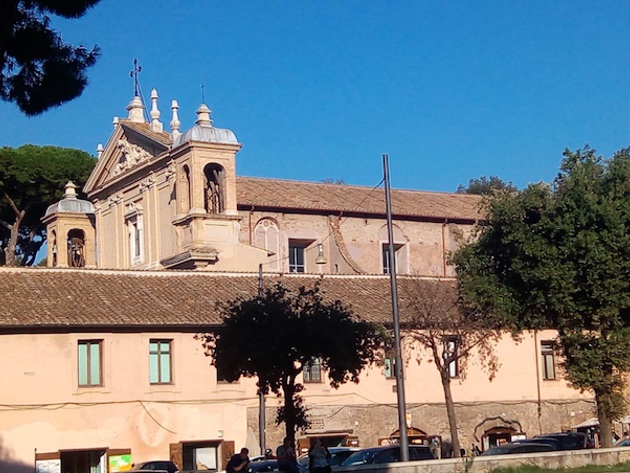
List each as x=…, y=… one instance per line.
x=552, y=460
x=371, y=422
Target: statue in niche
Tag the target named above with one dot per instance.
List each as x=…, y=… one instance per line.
x=76, y=253
x=214, y=190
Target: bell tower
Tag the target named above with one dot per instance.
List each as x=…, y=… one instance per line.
x=71, y=232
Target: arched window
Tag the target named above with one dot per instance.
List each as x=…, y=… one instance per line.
x=185, y=189
x=76, y=248
x=266, y=236
x=214, y=188
x=53, y=246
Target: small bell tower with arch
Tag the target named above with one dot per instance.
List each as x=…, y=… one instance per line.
x=71, y=232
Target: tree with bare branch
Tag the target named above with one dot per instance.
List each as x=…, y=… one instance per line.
x=441, y=332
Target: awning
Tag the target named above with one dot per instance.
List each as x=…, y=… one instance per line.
x=592, y=422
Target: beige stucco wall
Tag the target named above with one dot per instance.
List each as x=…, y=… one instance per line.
x=427, y=244
x=45, y=411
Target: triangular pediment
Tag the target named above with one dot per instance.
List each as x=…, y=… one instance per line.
x=130, y=147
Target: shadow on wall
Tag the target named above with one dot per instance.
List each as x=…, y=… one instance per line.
x=11, y=465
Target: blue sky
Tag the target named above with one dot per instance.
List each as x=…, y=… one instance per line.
x=450, y=90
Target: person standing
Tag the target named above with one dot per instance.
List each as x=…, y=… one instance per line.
x=287, y=460
x=239, y=463
x=318, y=458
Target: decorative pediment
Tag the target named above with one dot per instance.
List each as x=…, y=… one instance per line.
x=128, y=149
x=130, y=155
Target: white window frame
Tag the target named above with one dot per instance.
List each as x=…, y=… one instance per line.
x=548, y=360
x=159, y=355
x=135, y=228
x=451, y=346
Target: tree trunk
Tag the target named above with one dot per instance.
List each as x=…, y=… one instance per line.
x=15, y=232
x=289, y=410
x=605, y=425
x=450, y=410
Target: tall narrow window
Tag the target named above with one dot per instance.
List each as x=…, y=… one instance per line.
x=312, y=371
x=547, y=348
x=296, y=257
x=90, y=363
x=135, y=228
x=160, y=362
x=451, y=349
x=390, y=366
x=385, y=256
x=215, y=198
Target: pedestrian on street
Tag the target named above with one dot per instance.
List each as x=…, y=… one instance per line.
x=239, y=463
x=287, y=459
x=318, y=458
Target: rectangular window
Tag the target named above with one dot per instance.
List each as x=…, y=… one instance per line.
x=385, y=256
x=90, y=364
x=390, y=367
x=135, y=228
x=296, y=257
x=547, y=349
x=313, y=371
x=451, y=348
x=160, y=362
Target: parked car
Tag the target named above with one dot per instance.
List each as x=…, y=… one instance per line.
x=386, y=454
x=156, y=465
x=514, y=448
x=263, y=466
x=568, y=440
x=337, y=456
x=553, y=442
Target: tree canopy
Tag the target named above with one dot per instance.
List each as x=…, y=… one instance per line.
x=276, y=334
x=38, y=71
x=558, y=256
x=31, y=179
x=486, y=186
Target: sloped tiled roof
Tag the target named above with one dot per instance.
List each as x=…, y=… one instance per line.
x=39, y=298
x=145, y=129
x=280, y=194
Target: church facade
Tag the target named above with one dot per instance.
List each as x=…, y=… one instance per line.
x=108, y=370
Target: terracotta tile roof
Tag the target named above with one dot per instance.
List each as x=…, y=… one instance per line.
x=285, y=195
x=144, y=129
x=39, y=298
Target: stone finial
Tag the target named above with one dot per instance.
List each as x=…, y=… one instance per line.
x=203, y=116
x=99, y=150
x=175, y=123
x=70, y=190
x=156, y=124
x=115, y=121
x=136, y=110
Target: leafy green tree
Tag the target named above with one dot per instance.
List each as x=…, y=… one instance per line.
x=558, y=256
x=440, y=327
x=38, y=71
x=486, y=186
x=32, y=178
x=276, y=334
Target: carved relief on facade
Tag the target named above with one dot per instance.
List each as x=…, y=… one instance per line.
x=114, y=199
x=170, y=170
x=131, y=155
x=147, y=183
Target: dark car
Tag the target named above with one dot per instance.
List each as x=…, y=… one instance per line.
x=386, y=454
x=156, y=465
x=337, y=456
x=568, y=440
x=514, y=448
x=553, y=442
x=263, y=466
